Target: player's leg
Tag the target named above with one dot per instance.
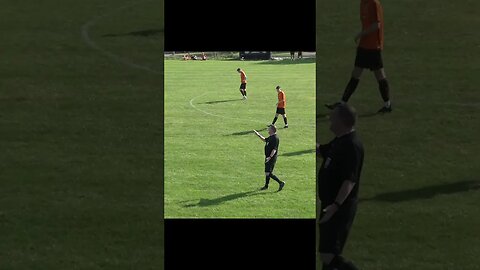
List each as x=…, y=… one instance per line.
x=384, y=89
x=274, y=177
x=242, y=89
x=267, y=177
x=245, y=91
x=352, y=83
x=284, y=115
x=327, y=243
x=361, y=62
x=275, y=118
x=344, y=219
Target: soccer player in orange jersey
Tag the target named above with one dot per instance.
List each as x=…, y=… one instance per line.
x=281, y=105
x=370, y=46
x=243, y=83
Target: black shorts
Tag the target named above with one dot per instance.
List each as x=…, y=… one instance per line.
x=371, y=59
x=280, y=110
x=243, y=86
x=334, y=233
x=270, y=164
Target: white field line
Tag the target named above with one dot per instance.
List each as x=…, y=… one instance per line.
x=90, y=42
x=236, y=118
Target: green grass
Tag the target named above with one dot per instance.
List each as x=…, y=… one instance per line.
x=214, y=163
x=80, y=138
x=421, y=180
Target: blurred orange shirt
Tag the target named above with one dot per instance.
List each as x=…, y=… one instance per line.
x=371, y=12
x=243, y=77
x=282, y=102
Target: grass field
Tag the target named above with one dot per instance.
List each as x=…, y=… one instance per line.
x=421, y=180
x=80, y=136
x=214, y=162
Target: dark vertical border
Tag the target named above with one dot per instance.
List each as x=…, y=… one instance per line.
x=240, y=243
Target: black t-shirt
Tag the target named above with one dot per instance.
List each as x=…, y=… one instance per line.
x=342, y=160
x=271, y=143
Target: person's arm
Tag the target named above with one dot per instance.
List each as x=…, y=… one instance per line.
x=344, y=191
x=351, y=164
x=322, y=149
x=374, y=11
x=274, y=150
x=372, y=28
x=259, y=135
x=267, y=159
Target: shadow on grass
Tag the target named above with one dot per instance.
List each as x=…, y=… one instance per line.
x=241, y=133
x=223, y=199
x=288, y=62
x=141, y=33
x=425, y=192
x=297, y=153
x=221, y=101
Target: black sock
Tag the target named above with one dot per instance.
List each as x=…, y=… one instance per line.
x=341, y=264
x=274, y=177
x=384, y=89
x=267, y=180
x=285, y=120
x=245, y=91
x=351, y=86
x=274, y=120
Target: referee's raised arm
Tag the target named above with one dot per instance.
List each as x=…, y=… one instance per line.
x=259, y=135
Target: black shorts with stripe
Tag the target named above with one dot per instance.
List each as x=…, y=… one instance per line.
x=368, y=58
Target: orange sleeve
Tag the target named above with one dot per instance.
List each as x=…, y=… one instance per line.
x=374, y=12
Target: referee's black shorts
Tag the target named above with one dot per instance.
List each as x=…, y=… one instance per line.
x=243, y=86
x=334, y=233
x=270, y=164
x=367, y=58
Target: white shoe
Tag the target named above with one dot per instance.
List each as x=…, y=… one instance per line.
x=244, y=97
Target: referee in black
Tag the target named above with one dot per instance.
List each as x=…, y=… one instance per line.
x=338, y=182
x=271, y=151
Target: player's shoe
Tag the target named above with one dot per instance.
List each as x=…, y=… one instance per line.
x=286, y=126
x=332, y=106
x=385, y=109
x=282, y=184
x=244, y=97
x=264, y=188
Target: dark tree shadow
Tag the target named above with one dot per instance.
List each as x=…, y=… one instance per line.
x=425, y=192
x=141, y=33
x=223, y=199
x=297, y=153
x=241, y=133
x=221, y=101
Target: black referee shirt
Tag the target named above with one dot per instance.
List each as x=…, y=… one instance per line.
x=271, y=143
x=342, y=160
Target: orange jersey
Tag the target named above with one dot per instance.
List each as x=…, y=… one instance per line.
x=243, y=77
x=371, y=12
x=282, y=101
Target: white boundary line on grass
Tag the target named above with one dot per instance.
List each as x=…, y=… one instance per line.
x=226, y=117
x=86, y=37
x=91, y=43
